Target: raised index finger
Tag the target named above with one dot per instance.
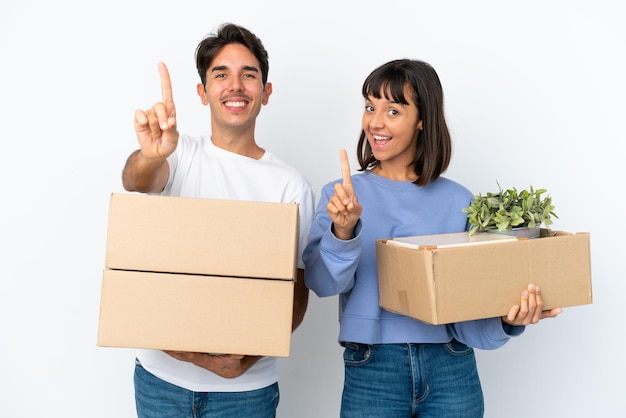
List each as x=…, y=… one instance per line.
x=345, y=168
x=166, y=84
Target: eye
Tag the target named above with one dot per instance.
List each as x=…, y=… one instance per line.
x=393, y=112
x=369, y=108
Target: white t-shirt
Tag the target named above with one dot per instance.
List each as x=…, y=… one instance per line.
x=200, y=169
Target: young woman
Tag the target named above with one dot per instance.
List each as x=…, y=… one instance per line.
x=396, y=366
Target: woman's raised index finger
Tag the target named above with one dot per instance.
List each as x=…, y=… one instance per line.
x=166, y=84
x=345, y=168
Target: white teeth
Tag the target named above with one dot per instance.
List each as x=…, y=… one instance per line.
x=380, y=138
x=235, y=104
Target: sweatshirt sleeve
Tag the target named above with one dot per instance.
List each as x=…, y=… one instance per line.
x=485, y=334
x=330, y=263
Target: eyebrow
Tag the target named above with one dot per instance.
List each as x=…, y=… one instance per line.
x=245, y=68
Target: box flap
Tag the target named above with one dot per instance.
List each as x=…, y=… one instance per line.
x=399, y=265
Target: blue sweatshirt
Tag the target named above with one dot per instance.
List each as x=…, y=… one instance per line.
x=348, y=268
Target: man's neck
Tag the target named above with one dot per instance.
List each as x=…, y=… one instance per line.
x=241, y=143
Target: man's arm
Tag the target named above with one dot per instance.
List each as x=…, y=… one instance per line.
x=225, y=365
x=146, y=169
x=143, y=174
x=300, y=300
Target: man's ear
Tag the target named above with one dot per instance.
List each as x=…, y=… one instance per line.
x=202, y=93
x=268, y=92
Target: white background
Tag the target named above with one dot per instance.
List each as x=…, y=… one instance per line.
x=535, y=94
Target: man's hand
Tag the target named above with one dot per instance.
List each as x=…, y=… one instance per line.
x=156, y=127
x=343, y=207
x=224, y=365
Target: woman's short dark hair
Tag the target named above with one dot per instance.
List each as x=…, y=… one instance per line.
x=229, y=33
x=433, y=148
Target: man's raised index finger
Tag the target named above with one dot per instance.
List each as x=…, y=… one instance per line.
x=166, y=84
x=345, y=168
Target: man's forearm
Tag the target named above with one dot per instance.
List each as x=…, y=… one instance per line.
x=141, y=174
x=300, y=300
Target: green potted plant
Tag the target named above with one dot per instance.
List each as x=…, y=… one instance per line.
x=509, y=211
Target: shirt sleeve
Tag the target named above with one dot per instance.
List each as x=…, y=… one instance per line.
x=330, y=263
x=485, y=334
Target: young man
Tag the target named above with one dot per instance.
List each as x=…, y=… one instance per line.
x=227, y=164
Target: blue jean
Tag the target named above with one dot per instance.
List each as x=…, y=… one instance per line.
x=156, y=398
x=411, y=380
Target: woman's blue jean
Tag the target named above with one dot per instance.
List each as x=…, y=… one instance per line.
x=411, y=380
x=156, y=398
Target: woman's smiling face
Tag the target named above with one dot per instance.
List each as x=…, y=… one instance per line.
x=392, y=129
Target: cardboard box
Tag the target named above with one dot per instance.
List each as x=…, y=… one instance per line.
x=185, y=312
x=204, y=275
x=202, y=236
x=465, y=282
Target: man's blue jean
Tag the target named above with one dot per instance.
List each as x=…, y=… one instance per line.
x=411, y=380
x=155, y=398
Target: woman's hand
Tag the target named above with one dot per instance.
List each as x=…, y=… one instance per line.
x=530, y=310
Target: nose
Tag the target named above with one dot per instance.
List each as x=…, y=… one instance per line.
x=375, y=120
x=235, y=84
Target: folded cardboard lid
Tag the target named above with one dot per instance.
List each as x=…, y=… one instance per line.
x=202, y=236
x=454, y=239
